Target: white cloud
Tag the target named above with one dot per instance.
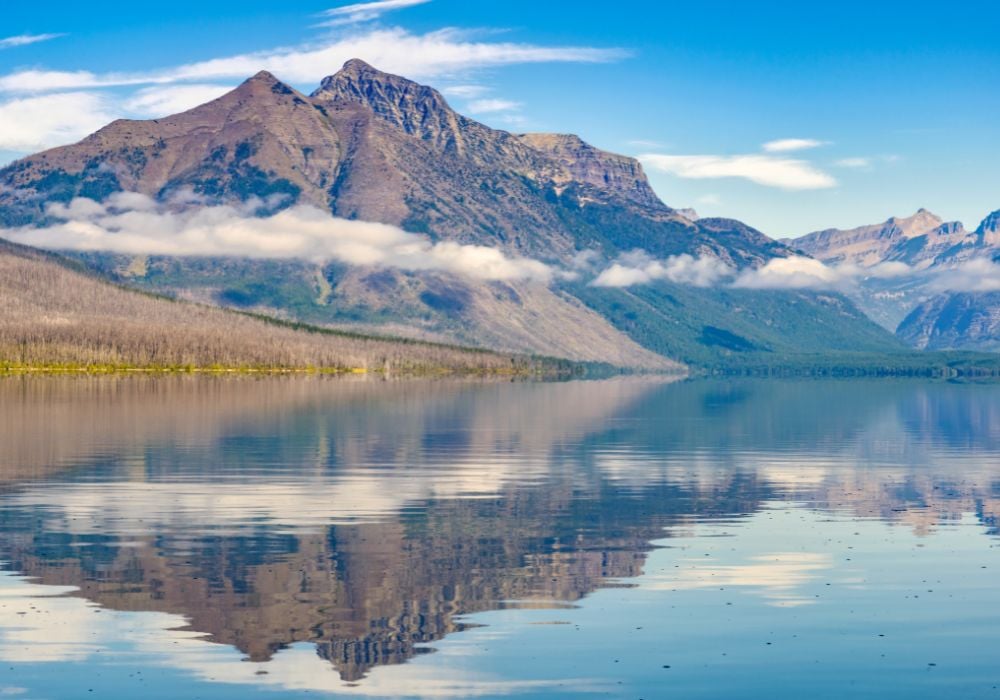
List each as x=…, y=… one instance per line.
x=514, y=121
x=36, y=81
x=132, y=223
x=886, y=270
x=787, y=145
x=709, y=199
x=853, y=163
x=36, y=123
x=465, y=91
x=435, y=54
x=798, y=272
x=771, y=171
x=365, y=11
x=492, y=105
x=979, y=275
x=789, y=273
x=26, y=39
x=643, y=143
x=638, y=267
x=167, y=100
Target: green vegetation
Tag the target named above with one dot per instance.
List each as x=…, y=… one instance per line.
x=753, y=332
x=769, y=333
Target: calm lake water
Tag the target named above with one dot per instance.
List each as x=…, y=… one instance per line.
x=229, y=538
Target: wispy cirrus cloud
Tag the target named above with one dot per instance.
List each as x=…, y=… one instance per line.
x=39, y=122
x=645, y=143
x=364, y=11
x=467, y=92
x=789, y=145
x=489, y=105
x=26, y=39
x=430, y=55
x=161, y=101
x=434, y=55
x=768, y=170
x=855, y=163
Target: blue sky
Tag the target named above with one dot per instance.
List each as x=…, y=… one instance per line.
x=869, y=109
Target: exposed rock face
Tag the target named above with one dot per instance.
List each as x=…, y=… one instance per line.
x=984, y=242
x=955, y=321
x=581, y=162
x=915, y=239
x=988, y=232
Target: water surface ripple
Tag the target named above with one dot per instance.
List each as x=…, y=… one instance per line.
x=230, y=537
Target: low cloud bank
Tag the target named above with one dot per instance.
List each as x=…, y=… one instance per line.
x=135, y=224
x=798, y=272
x=979, y=275
x=638, y=267
x=794, y=273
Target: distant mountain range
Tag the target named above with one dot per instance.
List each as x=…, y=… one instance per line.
x=367, y=146
x=922, y=241
x=926, y=313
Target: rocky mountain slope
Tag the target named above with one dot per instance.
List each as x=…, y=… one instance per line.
x=915, y=240
x=957, y=321
x=371, y=146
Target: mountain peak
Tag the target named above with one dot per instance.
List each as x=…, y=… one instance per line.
x=356, y=65
x=362, y=83
x=585, y=163
x=417, y=109
x=991, y=222
x=920, y=223
x=262, y=77
x=262, y=83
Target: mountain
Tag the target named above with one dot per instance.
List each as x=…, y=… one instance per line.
x=727, y=329
x=957, y=321
x=53, y=314
x=915, y=240
x=913, y=303
x=960, y=320
x=372, y=146
x=375, y=147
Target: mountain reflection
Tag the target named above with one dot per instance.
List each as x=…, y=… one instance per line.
x=366, y=518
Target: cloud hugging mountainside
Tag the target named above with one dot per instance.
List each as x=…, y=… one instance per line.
x=372, y=204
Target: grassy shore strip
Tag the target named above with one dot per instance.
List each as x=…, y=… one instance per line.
x=524, y=371
x=954, y=365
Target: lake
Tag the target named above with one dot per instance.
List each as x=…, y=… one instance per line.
x=199, y=537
